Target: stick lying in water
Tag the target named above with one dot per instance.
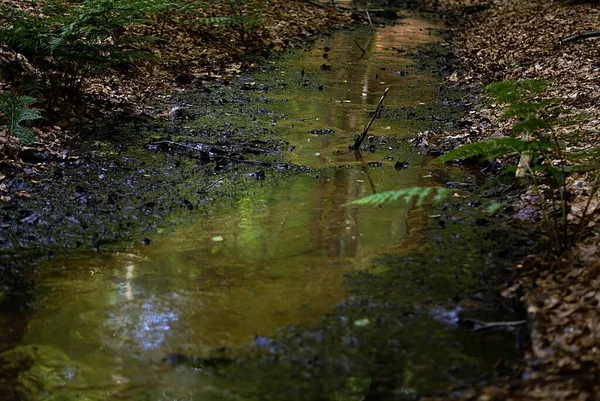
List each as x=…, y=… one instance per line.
x=479, y=325
x=362, y=136
x=370, y=21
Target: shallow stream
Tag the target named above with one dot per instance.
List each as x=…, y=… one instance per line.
x=262, y=279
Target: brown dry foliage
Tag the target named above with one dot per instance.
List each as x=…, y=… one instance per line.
x=514, y=39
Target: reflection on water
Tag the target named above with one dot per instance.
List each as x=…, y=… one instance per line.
x=272, y=257
x=351, y=83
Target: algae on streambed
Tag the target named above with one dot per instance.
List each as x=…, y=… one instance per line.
x=173, y=317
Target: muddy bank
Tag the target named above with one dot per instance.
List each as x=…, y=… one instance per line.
x=560, y=292
x=117, y=184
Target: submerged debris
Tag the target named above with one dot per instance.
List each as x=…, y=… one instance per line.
x=326, y=131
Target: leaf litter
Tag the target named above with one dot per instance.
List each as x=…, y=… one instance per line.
x=512, y=39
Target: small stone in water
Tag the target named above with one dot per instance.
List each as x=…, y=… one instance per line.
x=362, y=322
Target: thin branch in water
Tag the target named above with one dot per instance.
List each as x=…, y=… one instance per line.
x=362, y=137
x=479, y=325
x=213, y=184
x=370, y=21
x=404, y=164
x=365, y=170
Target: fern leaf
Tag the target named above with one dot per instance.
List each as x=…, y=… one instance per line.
x=25, y=135
x=489, y=149
x=28, y=115
x=216, y=20
x=534, y=85
x=511, y=91
x=522, y=109
x=530, y=125
x=16, y=110
x=405, y=195
x=504, y=91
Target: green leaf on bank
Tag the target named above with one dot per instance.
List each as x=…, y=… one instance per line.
x=512, y=91
x=17, y=111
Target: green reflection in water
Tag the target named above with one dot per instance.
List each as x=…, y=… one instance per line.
x=274, y=256
x=351, y=84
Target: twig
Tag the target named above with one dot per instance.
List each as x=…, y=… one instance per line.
x=579, y=36
x=404, y=164
x=213, y=184
x=360, y=47
x=364, y=51
x=479, y=325
x=362, y=137
x=316, y=3
x=363, y=164
x=170, y=143
x=370, y=21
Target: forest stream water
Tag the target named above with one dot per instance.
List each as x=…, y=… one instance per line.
x=283, y=292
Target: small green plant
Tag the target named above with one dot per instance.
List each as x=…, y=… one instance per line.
x=70, y=41
x=542, y=157
x=244, y=16
x=16, y=109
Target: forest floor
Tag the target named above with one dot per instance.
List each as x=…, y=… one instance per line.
x=514, y=40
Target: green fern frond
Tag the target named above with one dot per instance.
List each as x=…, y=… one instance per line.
x=16, y=108
x=25, y=135
x=522, y=109
x=489, y=149
x=405, y=195
x=493, y=148
x=533, y=85
x=216, y=20
x=530, y=125
x=504, y=91
x=511, y=91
